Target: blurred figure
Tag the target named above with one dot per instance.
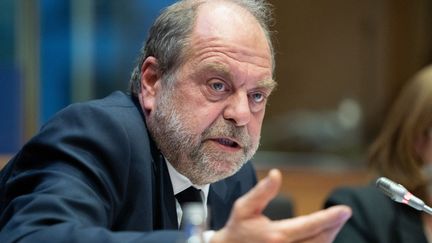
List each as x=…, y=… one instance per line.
x=402, y=152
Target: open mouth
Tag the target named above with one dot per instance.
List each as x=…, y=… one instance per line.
x=227, y=142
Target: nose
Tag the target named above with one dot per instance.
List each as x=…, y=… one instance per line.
x=238, y=110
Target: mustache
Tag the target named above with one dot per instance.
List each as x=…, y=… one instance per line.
x=224, y=128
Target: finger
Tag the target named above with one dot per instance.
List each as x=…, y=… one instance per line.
x=332, y=233
x=328, y=221
x=328, y=235
x=254, y=202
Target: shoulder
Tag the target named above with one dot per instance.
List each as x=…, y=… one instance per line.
x=106, y=134
x=112, y=108
x=112, y=118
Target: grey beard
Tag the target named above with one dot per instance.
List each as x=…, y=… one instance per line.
x=187, y=152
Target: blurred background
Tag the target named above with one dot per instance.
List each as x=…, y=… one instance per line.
x=340, y=63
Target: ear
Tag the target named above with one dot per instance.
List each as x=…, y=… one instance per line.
x=150, y=84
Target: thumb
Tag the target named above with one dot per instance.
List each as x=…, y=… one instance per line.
x=254, y=202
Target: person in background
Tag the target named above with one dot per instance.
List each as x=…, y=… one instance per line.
x=401, y=152
x=115, y=169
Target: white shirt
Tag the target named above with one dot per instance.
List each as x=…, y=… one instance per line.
x=179, y=183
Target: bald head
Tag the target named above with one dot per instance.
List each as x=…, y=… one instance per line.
x=169, y=37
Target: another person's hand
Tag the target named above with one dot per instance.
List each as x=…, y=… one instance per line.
x=248, y=224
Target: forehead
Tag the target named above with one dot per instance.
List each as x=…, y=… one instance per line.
x=227, y=28
x=225, y=18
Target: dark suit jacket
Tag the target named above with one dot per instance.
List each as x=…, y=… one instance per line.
x=376, y=218
x=92, y=174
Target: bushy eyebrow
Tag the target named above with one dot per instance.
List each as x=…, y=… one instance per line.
x=223, y=70
x=218, y=68
x=268, y=84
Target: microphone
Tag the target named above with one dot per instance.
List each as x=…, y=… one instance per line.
x=400, y=194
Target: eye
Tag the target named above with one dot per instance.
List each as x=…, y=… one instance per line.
x=216, y=89
x=218, y=86
x=257, y=97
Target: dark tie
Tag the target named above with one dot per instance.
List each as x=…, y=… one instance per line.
x=189, y=195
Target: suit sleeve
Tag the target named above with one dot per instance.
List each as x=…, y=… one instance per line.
x=67, y=184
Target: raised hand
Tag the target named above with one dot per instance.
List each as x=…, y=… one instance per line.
x=248, y=224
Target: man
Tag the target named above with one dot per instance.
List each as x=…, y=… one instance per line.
x=109, y=170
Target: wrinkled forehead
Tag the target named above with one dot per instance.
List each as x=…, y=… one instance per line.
x=232, y=24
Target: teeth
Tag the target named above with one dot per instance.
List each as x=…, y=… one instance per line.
x=227, y=142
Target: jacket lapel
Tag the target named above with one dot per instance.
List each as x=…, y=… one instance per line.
x=218, y=205
x=164, y=207
x=163, y=201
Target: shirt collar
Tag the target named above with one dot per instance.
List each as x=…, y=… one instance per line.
x=181, y=182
